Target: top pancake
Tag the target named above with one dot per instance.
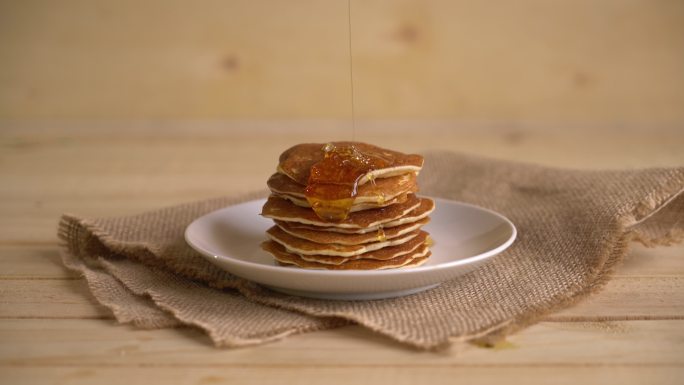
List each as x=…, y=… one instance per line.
x=296, y=162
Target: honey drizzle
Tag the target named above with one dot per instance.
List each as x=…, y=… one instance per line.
x=351, y=71
x=332, y=198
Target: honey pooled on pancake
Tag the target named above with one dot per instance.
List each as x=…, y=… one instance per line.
x=333, y=172
x=334, y=180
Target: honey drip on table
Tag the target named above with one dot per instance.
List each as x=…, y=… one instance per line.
x=334, y=180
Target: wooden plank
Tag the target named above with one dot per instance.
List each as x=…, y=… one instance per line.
x=305, y=374
x=32, y=262
x=652, y=262
x=623, y=297
x=632, y=298
x=561, y=144
x=99, y=343
x=577, y=60
x=61, y=298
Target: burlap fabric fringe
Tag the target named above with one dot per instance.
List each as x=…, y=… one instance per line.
x=573, y=226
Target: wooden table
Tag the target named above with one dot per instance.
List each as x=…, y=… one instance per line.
x=52, y=331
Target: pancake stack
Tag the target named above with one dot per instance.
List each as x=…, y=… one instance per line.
x=347, y=205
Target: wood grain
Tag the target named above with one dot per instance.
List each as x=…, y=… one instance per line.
x=81, y=351
x=62, y=298
x=612, y=62
x=32, y=262
x=101, y=343
x=560, y=374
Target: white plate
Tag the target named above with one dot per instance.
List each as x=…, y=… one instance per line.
x=465, y=236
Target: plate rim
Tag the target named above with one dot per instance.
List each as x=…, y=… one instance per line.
x=358, y=273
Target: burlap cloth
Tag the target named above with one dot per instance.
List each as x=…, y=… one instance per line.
x=573, y=228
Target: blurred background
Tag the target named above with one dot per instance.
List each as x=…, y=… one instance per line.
x=602, y=62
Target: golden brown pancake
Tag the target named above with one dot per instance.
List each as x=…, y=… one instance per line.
x=379, y=192
x=304, y=247
x=355, y=207
x=419, y=242
x=415, y=258
x=296, y=161
x=323, y=236
x=426, y=207
x=284, y=210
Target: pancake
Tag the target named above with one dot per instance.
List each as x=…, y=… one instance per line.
x=380, y=191
x=284, y=210
x=422, y=240
x=416, y=258
x=425, y=208
x=296, y=162
x=304, y=247
x=323, y=236
x=355, y=207
x=419, y=242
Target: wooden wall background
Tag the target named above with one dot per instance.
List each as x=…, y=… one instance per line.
x=599, y=61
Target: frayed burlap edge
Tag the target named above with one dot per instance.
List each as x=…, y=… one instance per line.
x=653, y=202
x=162, y=316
